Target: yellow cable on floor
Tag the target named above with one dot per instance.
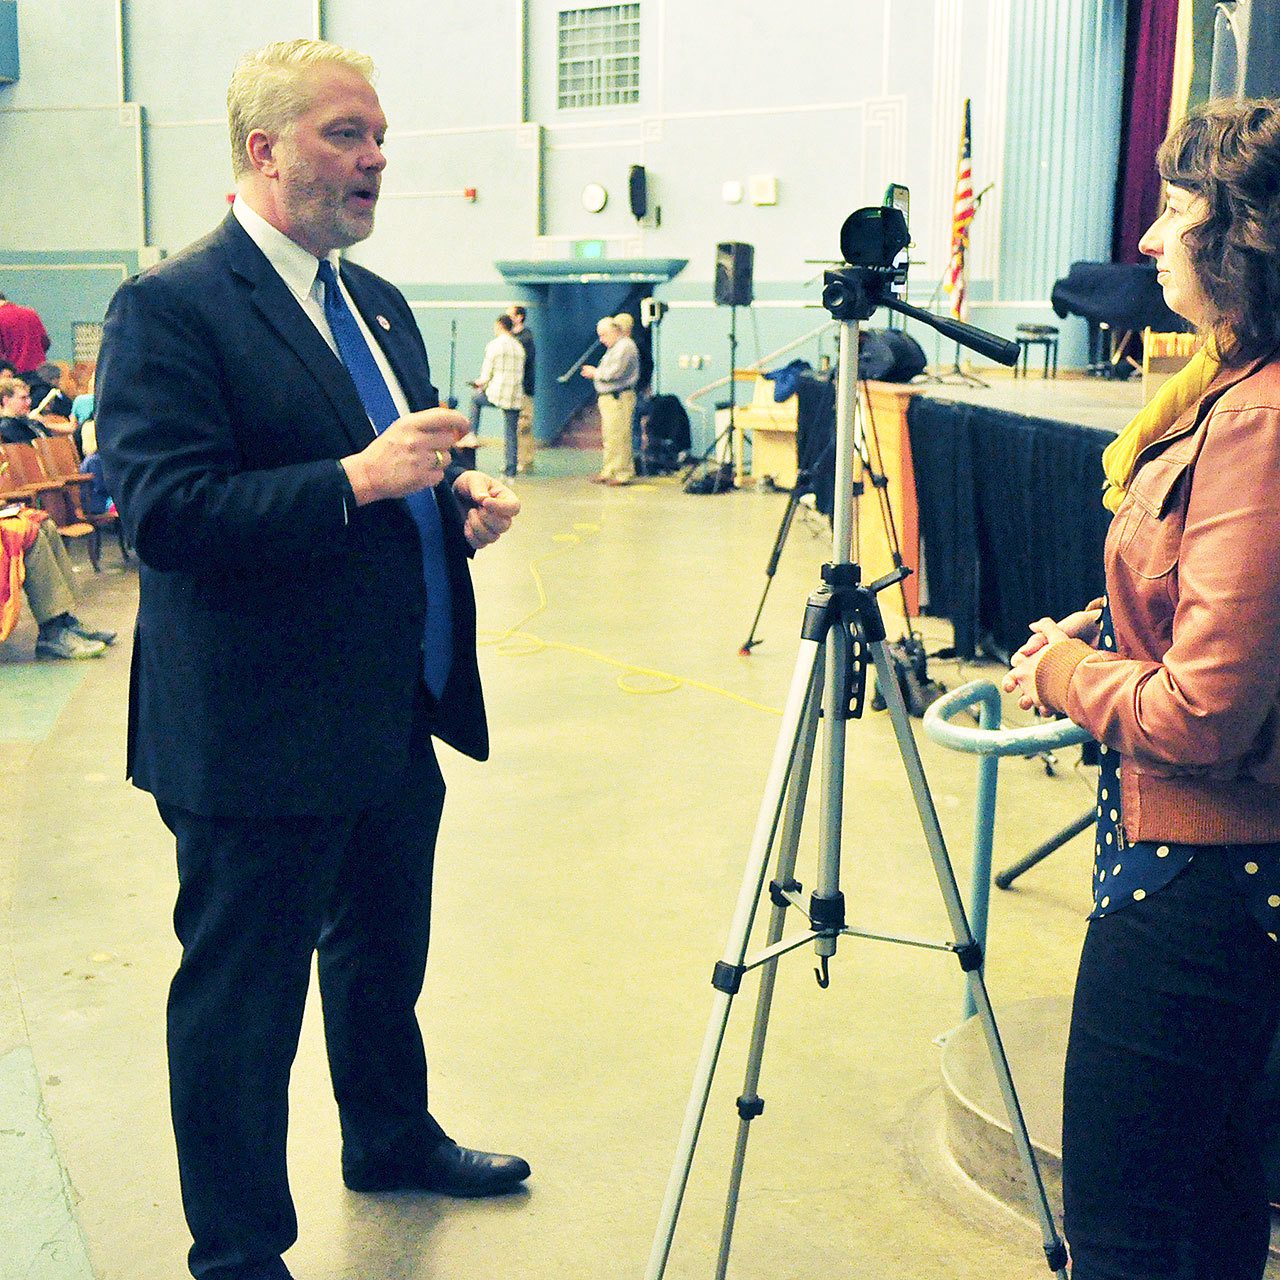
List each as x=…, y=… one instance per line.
x=515, y=642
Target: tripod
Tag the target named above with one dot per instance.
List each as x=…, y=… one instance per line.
x=907, y=653
x=842, y=632
x=798, y=491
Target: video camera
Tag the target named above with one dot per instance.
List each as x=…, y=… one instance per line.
x=874, y=242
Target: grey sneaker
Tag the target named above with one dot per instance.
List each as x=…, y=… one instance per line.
x=64, y=642
x=87, y=633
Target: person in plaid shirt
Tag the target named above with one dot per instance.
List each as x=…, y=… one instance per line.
x=501, y=384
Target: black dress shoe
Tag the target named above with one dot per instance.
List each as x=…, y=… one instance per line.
x=273, y=1270
x=448, y=1170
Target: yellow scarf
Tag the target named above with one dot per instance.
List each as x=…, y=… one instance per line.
x=1154, y=419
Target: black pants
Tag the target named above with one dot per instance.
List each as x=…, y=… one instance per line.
x=1175, y=1008
x=256, y=900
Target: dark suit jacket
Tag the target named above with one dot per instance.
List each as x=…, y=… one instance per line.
x=277, y=653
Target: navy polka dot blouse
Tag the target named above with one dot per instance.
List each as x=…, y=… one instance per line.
x=1124, y=873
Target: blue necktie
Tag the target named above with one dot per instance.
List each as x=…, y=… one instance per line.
x=437, y=639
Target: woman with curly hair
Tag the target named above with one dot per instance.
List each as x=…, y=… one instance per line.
x=1175, y=672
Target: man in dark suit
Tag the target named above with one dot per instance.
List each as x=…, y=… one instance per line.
x=305, y=626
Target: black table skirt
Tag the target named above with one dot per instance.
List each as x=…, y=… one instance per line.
x=1011, y=518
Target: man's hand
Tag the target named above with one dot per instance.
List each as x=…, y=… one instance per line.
x=588, y=371
x=489, y=505
x=411, y=454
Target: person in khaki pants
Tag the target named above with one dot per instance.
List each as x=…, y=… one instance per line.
x=615, y=379
x=49, y=581
x=521, y=332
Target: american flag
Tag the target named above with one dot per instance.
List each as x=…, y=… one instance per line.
x=961, y=216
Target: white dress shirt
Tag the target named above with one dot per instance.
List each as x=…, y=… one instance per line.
x=297, y=267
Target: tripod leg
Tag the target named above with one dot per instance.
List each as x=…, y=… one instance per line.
x=1042, y=851
x=970, y=955
x=750, y=1103
x=778, y=543
x=728, y=972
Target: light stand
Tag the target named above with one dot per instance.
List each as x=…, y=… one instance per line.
x=452, y=401
x=652, y=311
x=842, y=632
x=798, y=491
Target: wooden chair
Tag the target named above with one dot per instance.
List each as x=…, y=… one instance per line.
x=61, y=461
x=11, y=489
x=54, y=495
x=25, y=469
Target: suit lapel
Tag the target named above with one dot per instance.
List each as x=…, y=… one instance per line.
x=279, y=308
x=397, y=346
x=405, y=359
x=274, y=302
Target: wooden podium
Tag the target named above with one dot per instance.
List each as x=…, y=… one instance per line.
x=771, y=428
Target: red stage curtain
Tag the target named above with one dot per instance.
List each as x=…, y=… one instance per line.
x=1149, y=67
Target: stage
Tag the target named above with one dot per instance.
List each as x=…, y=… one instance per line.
x=1070, y=397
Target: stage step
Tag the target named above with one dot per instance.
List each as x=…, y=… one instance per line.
x=977, y=1133
x=975, y=1129
x=582, y=431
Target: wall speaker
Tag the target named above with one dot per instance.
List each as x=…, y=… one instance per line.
x=1246, y=50
x=638, y=189
x=733, y=274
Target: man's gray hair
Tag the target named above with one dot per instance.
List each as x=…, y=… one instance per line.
x=268, y=89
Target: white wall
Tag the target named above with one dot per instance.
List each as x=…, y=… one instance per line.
x=834, y=100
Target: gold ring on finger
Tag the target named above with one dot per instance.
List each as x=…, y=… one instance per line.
x=441, y=457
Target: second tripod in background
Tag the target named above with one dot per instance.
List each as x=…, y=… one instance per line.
x=815, y=448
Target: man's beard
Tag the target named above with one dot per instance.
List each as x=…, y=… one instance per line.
x=321, y=211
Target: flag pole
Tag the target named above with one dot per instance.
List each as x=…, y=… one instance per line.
x=955, y=280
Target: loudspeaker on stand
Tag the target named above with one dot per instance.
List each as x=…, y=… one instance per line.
x=734, y=263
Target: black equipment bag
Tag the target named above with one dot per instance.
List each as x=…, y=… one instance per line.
x=889, y=355
x=667, y=436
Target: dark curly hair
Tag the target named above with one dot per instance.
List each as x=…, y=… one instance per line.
x=1228, y=152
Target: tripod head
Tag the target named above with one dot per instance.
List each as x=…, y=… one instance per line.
x=874, y=243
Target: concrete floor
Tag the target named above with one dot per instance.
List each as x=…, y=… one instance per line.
x=587, y=876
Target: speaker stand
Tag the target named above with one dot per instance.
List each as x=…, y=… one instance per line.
x=733, y=392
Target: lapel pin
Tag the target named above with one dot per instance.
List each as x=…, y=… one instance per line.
x=384, y=322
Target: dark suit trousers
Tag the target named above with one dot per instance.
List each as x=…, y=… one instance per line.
x=256, y=899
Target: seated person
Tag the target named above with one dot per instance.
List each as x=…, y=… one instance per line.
x=49, y=585
x=47, y=394
x=18, y=425
x=97, y=502
x=82, y=409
